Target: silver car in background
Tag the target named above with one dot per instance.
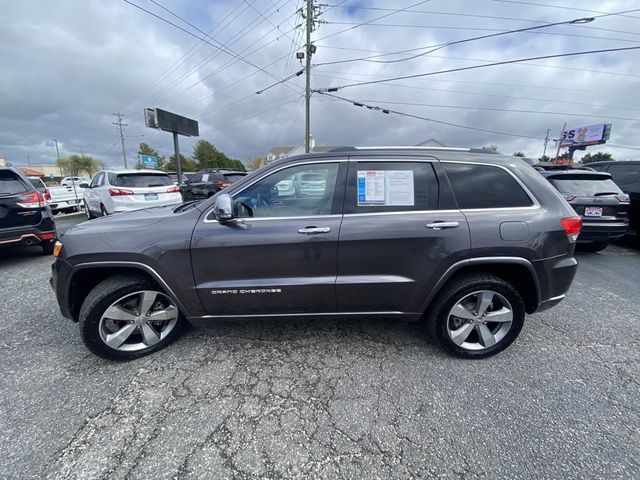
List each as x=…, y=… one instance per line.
x=115, y=191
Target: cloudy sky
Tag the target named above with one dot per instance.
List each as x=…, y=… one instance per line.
x=67, y=65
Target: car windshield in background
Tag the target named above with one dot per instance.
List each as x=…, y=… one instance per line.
x=10, y=184
x=36, y=183
x=585, y=187
x=142, y=180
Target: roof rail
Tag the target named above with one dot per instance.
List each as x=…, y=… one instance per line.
x=408, y=147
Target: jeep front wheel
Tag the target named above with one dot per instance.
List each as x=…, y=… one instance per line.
x=126, y=317
x=477, y=316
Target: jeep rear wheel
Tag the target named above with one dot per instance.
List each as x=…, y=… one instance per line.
x=477, y=316
x=126, y=317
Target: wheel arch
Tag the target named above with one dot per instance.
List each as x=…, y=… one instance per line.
x=517, y=271
x=86, y=276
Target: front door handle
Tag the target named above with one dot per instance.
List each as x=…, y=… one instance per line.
x=314, y=230
x=441, y=225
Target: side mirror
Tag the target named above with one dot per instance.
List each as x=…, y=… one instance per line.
x=223, y=207
x=84, y=185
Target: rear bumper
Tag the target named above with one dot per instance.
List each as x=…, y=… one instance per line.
x=44, y=232
x=64, y=204
x=599, y=232
x=556, y=276
x=120, y=206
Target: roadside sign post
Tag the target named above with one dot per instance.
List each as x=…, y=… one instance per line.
x=176, y=124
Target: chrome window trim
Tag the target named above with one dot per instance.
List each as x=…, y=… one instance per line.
x=269, y=173
x=407, y=212
x=261, y=219
x=532, y=197
x=403, y=159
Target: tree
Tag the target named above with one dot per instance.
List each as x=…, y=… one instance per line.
x=597, y=157
x=519, y=154
x=491, y=148
x=256, y=163
x=76, y=165
x=187, y=164
x=208, y=156
x=544, y=158
x=145, y=149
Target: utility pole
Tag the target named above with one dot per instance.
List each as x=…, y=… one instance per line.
x=119, y=124
x=28, y=160
x=560, y=142
x=546, y=141
x=309, y=52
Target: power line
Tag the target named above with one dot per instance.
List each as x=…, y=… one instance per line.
x=489, y=17
x=418, y=117
x=192, y=51
x=493, y=109
x=374, y=19
x=473, y=67
x=507, y=97
x=622, y=14
x=217, y=44
x=434, y=48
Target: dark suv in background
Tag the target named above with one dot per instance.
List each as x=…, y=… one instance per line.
x=467, y=242
x=25, y=218
x=207, y=183
x=594, y=196
x=626, y=174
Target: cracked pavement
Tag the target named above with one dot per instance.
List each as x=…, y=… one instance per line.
x=325, y=399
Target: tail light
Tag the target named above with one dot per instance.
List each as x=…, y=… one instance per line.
x=47, y=236
x=623, y=198
x=222, y=184
x=47, y=194
x=32, y=200
x=173, y=189
x=568, y=197
x=572, y=227
x=118, y=192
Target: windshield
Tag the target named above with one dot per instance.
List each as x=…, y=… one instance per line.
x=142, y=180
x=584, y=187
x=10, y=184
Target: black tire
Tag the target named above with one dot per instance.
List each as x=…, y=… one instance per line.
x=88, y=212
x=102, y=297
x=593, y=246
x=103, y=211
x=437, y=317
x=47, y=247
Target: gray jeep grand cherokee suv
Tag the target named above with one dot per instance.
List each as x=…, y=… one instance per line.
x=468, y=242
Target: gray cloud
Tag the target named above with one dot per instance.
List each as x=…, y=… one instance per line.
x=67, y=65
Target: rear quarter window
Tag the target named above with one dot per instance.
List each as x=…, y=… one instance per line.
x=485, y=186
x=11, y=184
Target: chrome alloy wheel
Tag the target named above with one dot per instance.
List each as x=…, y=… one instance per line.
x=480, y=320
x=137, y=321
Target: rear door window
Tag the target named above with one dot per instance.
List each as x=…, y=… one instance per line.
x=11, y=184
x=142, y=180
x=391, y=187
x=485, y=186
x=584, y=187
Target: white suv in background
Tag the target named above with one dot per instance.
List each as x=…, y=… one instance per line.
x=115, y=191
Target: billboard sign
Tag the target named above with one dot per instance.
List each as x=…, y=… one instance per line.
x=583, y=136
x=170, y=122
x=148, y=161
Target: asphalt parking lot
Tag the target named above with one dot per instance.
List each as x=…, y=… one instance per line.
x=325, y=399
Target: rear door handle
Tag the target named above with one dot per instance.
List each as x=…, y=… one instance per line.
x=314, y=230
x=441, y=225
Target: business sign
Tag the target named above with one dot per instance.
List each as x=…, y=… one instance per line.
x=583, y=136
x=170, y=122
x=148, y=161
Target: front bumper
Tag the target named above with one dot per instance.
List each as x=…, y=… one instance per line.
x=60, y=272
